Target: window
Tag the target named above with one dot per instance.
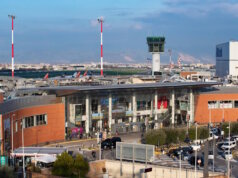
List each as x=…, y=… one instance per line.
x=236, y=104
x=143, y=105
x=212, y=104
x=94, y=106
x=41, y=119
x=29, y=121
x=225, y=104
x=80, y=109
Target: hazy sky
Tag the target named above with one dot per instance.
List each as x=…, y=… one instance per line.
x=66, y=31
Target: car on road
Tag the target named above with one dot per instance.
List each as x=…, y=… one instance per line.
x=196, y=147
x=114, y=140
x=228, y=144
x=235, y=137
x=110, y=142
x=210, y=155
x=187, y=149
x=227, y=154
x=185, y=156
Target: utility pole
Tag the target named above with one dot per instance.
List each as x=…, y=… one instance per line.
x=196, y=153
x=12, y=17
x=23, y=150
x=228, y=165
x=100, y=20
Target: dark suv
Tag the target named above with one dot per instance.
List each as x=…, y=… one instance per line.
x=110, y=142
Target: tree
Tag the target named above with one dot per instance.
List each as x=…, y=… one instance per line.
x=81, y=166
x=63, y=166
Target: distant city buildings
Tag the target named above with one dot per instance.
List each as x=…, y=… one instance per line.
x=227, y=59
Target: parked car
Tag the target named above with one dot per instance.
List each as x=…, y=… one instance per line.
x=187, y=149
x=235, y=137
x=227, y=144
x=210, y=155
x=196, y=147
x=106, y=144
x=230, y=139
x=110, y=142
x=227, y=154
x=185, y=156
x=114, y=140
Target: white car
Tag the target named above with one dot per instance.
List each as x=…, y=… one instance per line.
x=196, y=147
x=210, y=155
x=227, y=155
x=227, y=145
x=235, y=137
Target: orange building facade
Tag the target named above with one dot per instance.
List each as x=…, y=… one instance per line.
x=42, y=124
x=216, y=107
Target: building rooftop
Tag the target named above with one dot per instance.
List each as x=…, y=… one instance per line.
x=32, y=151
x=220, y=90
x=67, y=90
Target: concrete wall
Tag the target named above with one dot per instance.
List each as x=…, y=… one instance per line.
x=113, y=168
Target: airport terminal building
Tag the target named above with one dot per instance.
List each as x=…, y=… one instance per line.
x=49, y=114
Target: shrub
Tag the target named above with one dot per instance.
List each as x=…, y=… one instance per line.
x=203, y=132
x=81, y=166
x=155, y=137
x=175, y=135
x=234, y=128
x=172, y=136
x=63, y=166
x=192, y=133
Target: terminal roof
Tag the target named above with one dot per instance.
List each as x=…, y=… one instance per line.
x=67, y=90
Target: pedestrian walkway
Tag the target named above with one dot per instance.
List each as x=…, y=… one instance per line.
x=165, y=160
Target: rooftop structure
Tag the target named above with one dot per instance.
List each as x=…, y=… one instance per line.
x=156, y=46
x=227, y=59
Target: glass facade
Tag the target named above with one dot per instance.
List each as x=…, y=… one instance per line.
x=124, y=112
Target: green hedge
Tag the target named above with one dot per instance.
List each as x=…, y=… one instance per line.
x=174, y=135
x=234, y=128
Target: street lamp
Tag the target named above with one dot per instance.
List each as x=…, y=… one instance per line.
x=13, y=161
x=196, y=152
x=228, y=162
x=12, y=130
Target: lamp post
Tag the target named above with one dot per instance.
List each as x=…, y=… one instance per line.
x=228, y=164
x=12, y=132
x=196, y=153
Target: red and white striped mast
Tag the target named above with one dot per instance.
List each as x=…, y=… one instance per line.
x=12, y=17
x=100, y=20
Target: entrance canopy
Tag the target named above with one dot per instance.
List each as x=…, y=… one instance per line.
x=38, y=151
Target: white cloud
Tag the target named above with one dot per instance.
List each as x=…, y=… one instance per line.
x=229, y=8
x=128, y=58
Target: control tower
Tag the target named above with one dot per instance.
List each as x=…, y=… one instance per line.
x=156, y=46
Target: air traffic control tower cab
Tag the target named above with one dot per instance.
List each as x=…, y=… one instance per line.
x=156, y=46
